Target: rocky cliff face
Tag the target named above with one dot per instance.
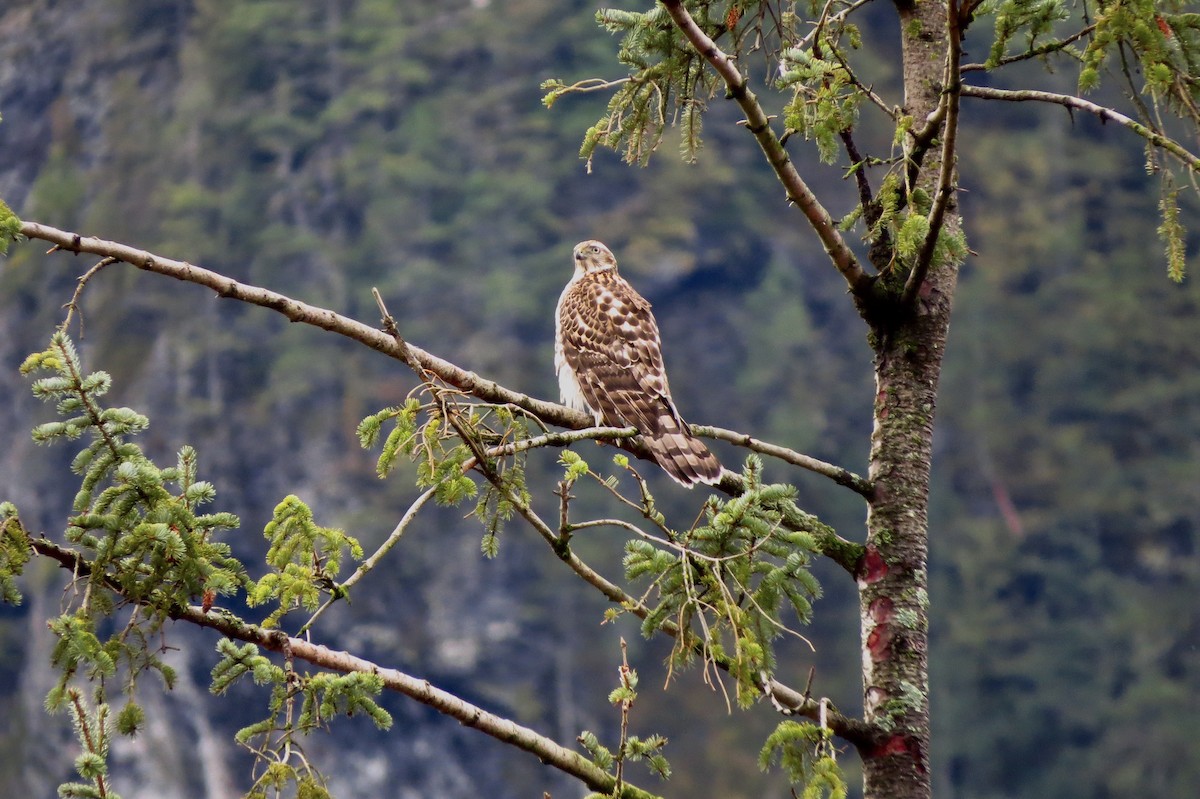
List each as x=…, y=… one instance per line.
x=62, y=65
x=78, y=82
x=58, y=78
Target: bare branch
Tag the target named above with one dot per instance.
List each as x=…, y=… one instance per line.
x=839, y=475
x=323, y=318
x=1105, y=114
x=557, y=439
x=757, y=122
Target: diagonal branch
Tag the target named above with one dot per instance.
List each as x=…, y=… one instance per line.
x=789, y=700
x=1190, y=159
x=393, y=346
x=469, y=715
x=757, y=122
x=837, y=474
x=302, y=312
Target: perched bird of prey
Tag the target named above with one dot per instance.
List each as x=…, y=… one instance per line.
x=608, y=357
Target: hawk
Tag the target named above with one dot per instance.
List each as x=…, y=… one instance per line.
x=608, y=357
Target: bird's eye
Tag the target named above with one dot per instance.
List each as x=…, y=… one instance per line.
x=595, y=249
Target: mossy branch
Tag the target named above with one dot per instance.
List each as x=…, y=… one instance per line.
x=944, y=191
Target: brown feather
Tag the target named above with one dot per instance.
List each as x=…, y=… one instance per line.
x=609, y=341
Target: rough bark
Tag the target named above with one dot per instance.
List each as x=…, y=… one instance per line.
x=908, y=342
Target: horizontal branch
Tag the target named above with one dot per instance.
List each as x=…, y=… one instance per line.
x=1034, y=52
x=1103, y=112
x=561, y=439
x=757, y=123
x=545, y=749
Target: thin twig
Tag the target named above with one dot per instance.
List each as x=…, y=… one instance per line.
x=73, y=306
x=1103, y=112
x=833, y=20
x=1045, y=49
x=625, y=704
x=370, y=563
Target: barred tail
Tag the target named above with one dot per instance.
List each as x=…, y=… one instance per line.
x=682, y=455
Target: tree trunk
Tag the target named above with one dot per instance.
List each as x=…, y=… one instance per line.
x=893, y=579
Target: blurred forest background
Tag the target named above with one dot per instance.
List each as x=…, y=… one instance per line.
x=322, y=147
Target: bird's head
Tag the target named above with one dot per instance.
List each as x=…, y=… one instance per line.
x=592, y=256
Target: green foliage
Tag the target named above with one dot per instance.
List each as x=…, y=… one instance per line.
x=306, y=559
x=238, y=661
x=275, y=740
x=903, y=220
x=1164, y=41
x=805, y=752
x=10, y=227
x=1172, y=232
x=137, y=539
x=447, y=441
x=825, y=98
x=601, y=755
x=93, y=729
x=330, y=695
x=431, y=444
x=732, y=578
x=577, y=467
x=1151, y=47
x=147, y=544
x=496, y=506
x=14, y=552
x=631, y=748
x=665, y=79
x=1030, y=19
x=670, y=82
x=650, y=750
x=131, y=719
x=401, y=438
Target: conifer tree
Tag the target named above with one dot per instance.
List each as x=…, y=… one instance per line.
x=724, y=586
